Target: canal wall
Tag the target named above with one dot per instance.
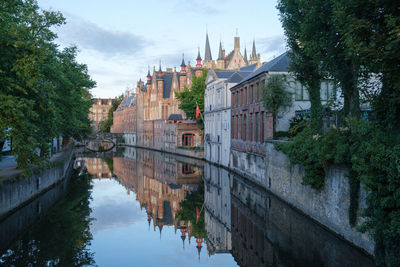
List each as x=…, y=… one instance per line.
x=329, y=206
x=15, y=224
x=17, y=191
x=261, y=222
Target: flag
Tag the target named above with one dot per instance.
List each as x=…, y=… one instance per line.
x=197, y=111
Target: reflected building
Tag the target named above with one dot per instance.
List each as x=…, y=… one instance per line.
x=160, y=182
x=268, y=232
x=217, y=208
x=98, y=168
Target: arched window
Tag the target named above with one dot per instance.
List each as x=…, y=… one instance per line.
x=188, y=140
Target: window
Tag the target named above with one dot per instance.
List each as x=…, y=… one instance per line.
x=257, y=125
x=187, y=169
x=301, y=93
x=187, y=140
x=251, y=94
x=257, y=92
x=251, y=127
x=233, y=126
x=237, y=127
x=241, y=97
x=245, y=96
x=327, y=91
x=244, y=129
x=262, y=127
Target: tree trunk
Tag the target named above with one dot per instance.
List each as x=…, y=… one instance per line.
x=316, y=107
x=349, y=82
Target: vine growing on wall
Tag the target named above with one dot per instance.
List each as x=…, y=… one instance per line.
x=373, y=159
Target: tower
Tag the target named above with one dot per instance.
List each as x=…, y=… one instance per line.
x=254, y=58
x=208, y=62
x=221, y=57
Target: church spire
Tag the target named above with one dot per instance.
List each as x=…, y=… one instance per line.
x=220, y=54
x=245, y=55
x=207, y=55
x=253, y=52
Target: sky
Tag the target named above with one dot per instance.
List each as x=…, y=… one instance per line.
x=119, y=39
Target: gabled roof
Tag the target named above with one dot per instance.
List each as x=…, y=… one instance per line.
x=174, y=117
x=128, y=102
x=224, y=74
x=278, y=64
x=237, y=77
x=249, y=68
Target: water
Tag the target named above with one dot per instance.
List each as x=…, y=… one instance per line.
x=144, y=208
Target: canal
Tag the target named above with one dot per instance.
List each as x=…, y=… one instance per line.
x=138, y=207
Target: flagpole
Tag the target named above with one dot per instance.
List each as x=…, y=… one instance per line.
x=200, y=112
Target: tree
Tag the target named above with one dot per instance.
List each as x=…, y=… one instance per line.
x=44, y=92
x=306, y=71
x=189, y=98
x=106, y=125
x=276, y=98
x=370, y=30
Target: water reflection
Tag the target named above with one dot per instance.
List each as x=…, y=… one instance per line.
x=62, y=236
x=155, y=209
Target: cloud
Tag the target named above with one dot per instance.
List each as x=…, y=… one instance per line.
x=197, y=7
x=88, y=35
x=272, y=45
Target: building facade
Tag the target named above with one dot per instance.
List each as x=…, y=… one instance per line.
x=252, y=124
x=217, y=209
x=99, y=111
x=124, y=119
x=217, y=113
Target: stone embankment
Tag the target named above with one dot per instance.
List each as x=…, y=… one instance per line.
x=16, y=190
x=328, y=206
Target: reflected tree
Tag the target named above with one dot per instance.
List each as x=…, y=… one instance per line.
x=189, y=209
x=62, y=236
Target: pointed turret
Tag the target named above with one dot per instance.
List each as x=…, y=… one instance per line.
x=198, y=60
x=207, y=51
x=148, y=75
x=220, y=53
x=160, y=73
x=183, y=65
x=245, y=55
x=253, y=52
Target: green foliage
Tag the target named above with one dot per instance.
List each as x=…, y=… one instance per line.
x=44, y=92
x=276, y=98
x=373, y=159
x=297, y=124
x=62, y=236
x=306, y=70
x=370, y=30
x=195, y=95
x=352, y=41
x=187, y=211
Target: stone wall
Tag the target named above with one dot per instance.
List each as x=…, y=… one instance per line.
x=18, y=190
x=328, y=206
x=15, y=224
x=263, y=222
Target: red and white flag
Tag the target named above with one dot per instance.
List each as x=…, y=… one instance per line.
x=197, y=111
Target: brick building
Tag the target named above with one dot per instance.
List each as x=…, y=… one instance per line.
x=252, y=125
x=124, y=119
x=99, y=111
x=159, y=123
x=160, y=183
